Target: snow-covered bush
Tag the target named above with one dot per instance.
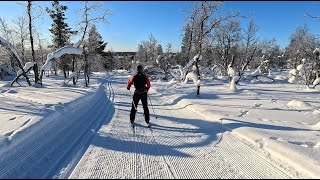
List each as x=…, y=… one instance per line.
x=192, y=75
x=261, y=71
x=308, y=72
x=164, y=62
x=154, y=73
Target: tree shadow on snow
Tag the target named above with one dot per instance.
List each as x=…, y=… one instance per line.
x=238, y=124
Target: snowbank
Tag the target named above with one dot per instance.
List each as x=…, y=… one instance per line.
x=51, y=114
x=260, y=114
x=316, y=126
x=281, y=78
x=298, y=104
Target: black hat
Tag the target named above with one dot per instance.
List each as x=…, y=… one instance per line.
x=139, y=68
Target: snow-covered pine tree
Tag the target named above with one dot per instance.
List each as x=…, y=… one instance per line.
x=185, y=46
x=60, y=30
x=96, y=54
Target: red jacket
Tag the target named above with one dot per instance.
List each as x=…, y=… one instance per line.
x=130, y=82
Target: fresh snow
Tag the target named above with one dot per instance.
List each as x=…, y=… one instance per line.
x=262, y=130
x=300, y=67
x=47, y=66
x=317, y=81
x=293, y=72
x=194, y=78
x=261, y=114
x=73, y=74
x=281, y=77
x=298, y=104
x=231, y=72
x=26, y=67
x=69, y=49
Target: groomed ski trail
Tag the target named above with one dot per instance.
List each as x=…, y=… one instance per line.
x=58, y=141
x=180, y=144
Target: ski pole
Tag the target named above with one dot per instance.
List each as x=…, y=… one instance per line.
x=133, y=101
x=152, y=107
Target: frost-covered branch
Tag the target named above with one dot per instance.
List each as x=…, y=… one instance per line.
x=9, y=46
x=69, y=49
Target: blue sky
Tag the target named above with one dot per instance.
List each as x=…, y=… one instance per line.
x=133, y=21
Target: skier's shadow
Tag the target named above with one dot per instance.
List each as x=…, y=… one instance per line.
x=176, y=138
x=138, y=145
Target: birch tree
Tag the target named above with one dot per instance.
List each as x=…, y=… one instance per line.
x=249, y=48
x=90, y=15
x=204, y=19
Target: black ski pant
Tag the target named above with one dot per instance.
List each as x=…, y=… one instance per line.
x=144, y=99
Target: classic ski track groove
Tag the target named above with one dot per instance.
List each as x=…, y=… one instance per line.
x=170, y=149
x=151, y=153
x=46, y=148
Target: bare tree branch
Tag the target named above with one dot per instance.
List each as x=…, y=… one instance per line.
x=310, y=16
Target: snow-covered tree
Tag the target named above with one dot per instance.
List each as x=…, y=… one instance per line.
x=185, y=45
x=248, y=49
x=95, y=46
x=6, y=32
x=204, y=19
x=35, y=65
x=302, y=44
x=148, y=51
x=91, y=14
x=159, y=50
x=308, y=72
x=227, y=37
x=12, y=49
x=66, y=50
x=164, y=63
x=21, y=30
x=60, y=30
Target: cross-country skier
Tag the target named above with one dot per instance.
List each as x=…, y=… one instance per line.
x=142, y=84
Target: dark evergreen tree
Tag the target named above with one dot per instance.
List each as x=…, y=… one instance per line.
x=61, y=32
x=185, y=46
x=96, y=46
